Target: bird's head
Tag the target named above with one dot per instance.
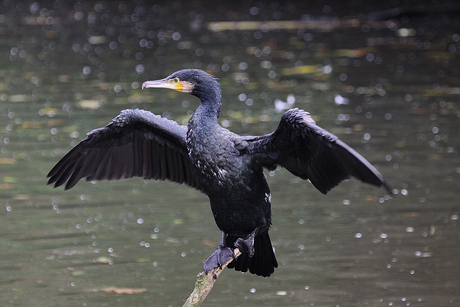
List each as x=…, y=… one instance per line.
x=192, y=81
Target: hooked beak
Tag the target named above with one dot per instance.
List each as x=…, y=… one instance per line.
x=164, y=83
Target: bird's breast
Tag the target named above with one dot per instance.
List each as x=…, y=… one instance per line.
x=214, y=160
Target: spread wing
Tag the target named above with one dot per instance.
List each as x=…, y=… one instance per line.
x=310, y=152
x=136, y=143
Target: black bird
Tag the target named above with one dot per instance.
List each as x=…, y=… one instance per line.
x=225, y=166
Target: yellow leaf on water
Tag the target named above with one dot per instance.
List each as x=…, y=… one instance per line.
x=9, y=179
x=7, y=161
x=21, y=196
x=89, y=104
x=178, y=221
x=48, y=111
x=141, y=260
x=281, y=292
x=370, y=198
x=77, y=273
x=31, y=125
x=301, y=70
x=120, y=290
x=209, y=243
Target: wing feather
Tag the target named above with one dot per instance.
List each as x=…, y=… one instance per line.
x=136, y=143
x=310, y=152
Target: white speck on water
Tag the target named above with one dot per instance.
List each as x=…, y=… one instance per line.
x=410, y=229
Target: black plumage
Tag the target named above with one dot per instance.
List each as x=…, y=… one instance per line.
x=225, y=166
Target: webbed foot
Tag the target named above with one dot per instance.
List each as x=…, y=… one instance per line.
x=248, y=243
x=221, y=256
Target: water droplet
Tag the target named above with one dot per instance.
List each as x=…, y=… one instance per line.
x=86, y=70
x=243, y=66
x=140, y=69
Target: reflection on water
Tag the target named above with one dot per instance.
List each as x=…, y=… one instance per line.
x=388, y=87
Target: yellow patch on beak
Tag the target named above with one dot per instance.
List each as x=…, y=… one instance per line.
x=176, y=84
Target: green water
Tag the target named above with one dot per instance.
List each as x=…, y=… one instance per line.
x=69, y=68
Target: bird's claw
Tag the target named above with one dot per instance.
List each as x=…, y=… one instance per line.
x=246, y=245
x=221, y=256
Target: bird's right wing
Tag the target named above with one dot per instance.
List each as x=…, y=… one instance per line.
x=136, y=143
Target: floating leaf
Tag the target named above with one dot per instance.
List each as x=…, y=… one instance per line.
x=19, y=98
x=120, y=290
x=78, y=273
x=178, y=221
x=281, y=293
x=21, y=196
x=102, y=259
x=209, y=243
x=31, y=125
x=48, y=111
x=301, y=70
x=7, y=161
x=353, y=53
x=90, y=104
x=95, y=40
x=370, y=198
x=141, y=260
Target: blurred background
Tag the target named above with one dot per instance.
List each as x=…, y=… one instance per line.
x=383, y=77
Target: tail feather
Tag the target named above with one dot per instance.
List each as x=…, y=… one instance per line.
x=263, y=263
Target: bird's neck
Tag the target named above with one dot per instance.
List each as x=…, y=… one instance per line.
x=208, y=111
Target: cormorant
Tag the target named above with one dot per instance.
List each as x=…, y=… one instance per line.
x=225, y=166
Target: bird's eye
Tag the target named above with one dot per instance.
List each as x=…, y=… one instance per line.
x=176, y=80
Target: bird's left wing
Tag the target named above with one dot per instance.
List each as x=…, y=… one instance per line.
x=310, y=152
x=136, y=143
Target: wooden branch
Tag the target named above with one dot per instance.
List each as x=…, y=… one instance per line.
x=205, y=282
